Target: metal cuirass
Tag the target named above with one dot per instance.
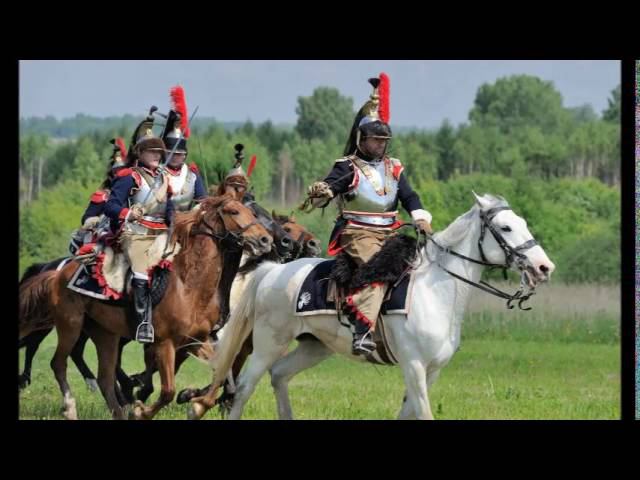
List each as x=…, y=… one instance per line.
x=365, y=199
x=183, y=187
x=155, y=204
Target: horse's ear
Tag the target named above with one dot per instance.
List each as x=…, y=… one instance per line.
x=479, y=200
x=292, y=218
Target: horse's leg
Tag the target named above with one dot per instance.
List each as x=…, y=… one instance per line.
x=187, y=394
x=229, y=387
x=307, y=354
x=406, y=412
x=107, y=349
x=125, y=382
x=77, y=355
x=146, y=377
x=31, y=342
x=268, y=348
x=415, y=378
x=165, y=359
x=68, y=328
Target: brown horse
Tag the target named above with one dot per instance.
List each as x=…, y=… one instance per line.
x=186, y=313
x=305, y=244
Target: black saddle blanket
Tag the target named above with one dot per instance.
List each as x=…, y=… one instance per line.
x=312, y=296
x=82, y=282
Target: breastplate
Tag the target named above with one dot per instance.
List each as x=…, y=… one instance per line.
x=154, y=204
x=364, y=198
x=183, y=187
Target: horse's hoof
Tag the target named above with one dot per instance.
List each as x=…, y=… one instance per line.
x=122, y=414
x=195, y=411
x=138, y=411
x=184, y=396
x=92, y=384
x=69, y=409
x=23, y=382
x=70, y=413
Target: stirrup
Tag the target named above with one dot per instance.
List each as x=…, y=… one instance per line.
x=364, y=345
x=145, y=333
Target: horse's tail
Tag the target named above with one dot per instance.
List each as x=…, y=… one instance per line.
x=36, y=268
x=239, y=325
x=33, y=310
x=32, y=271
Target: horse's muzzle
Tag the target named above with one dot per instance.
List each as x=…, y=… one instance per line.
x=313, y=247
x=259, y=246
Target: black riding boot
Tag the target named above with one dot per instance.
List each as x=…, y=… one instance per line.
x=142, y=310
x=363, y=343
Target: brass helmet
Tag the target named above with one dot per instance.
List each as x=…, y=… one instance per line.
x=372, y=120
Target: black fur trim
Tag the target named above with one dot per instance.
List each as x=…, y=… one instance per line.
x=385, y=266
x=159, y=285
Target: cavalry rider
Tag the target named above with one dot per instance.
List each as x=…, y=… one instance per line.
x=368, y=185
x=186, y=182
x=93, y=213
x=140, y=209
x=236, y=182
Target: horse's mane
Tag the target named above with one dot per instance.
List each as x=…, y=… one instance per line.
x=281, y=219
x=184, y=222
x=459, y=228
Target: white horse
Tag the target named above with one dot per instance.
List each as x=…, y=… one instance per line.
x=423, y=341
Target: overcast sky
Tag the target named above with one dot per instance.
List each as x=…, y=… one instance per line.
x=423, y=92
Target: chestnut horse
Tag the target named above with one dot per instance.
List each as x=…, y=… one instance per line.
x=305, y=245
x=187, y=312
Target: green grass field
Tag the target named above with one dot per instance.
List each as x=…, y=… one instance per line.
x=554, y=362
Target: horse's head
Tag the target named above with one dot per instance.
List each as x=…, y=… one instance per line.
x=305, y=243
x=506, y=240
x=228, y=219
x=282, y=241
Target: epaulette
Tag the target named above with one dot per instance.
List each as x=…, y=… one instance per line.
x=193, y=167
x=397, y=167
x=99, y=196
x=123, y=172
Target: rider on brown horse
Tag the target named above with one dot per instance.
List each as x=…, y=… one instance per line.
x=94, y=211
x=140, y=208
x=186, y=183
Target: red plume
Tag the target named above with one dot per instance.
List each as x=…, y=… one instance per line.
x=383, y=92
x=252, y=165
x=123, y=150
x=180, y=106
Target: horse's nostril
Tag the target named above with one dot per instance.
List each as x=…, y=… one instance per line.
x=313, y=243
x=264, y=240
x=286, y=241
x=543, y=268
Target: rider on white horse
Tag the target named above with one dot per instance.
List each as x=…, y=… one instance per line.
x=368, y=184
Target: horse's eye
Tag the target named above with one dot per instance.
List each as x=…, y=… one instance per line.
x=233, y=212
x=287, y=229
x=506, y=228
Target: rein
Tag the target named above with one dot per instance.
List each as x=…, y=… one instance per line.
x=512, y=255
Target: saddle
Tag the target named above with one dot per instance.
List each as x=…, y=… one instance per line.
x=327, y=285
